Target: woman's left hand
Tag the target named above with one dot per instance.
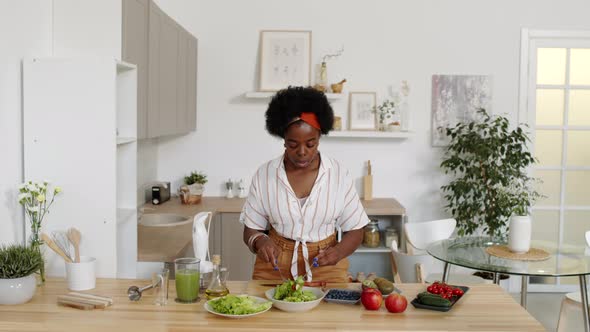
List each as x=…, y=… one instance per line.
x=329, y=256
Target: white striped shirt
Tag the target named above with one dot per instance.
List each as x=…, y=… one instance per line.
x=333, y=202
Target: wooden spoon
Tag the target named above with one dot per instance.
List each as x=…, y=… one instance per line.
x=74, y=236
x=49, y=242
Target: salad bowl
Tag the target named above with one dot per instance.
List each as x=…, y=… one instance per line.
x=296, y=306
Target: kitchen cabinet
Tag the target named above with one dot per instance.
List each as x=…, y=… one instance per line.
x=79, y=131
x=135, y=50
x=226, y=239
x=226, y=233
x=238, y=259
x=166, y=55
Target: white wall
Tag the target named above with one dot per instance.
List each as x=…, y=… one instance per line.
x=25, y=30
x=385, y=42
x=33, y=28
x=87, y=27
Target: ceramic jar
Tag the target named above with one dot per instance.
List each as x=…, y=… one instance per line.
x=519, y=235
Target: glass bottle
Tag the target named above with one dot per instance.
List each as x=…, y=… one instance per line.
x=390, y=235
x=371, y=236
x=216, y=286
x=322, y=78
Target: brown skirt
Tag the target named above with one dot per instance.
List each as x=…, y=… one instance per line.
x=331, y=273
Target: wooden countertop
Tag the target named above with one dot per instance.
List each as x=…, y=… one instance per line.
x=483, y=308
x=374, y=207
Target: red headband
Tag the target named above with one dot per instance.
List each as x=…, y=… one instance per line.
x=309, y=118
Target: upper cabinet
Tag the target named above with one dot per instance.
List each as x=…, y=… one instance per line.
x=166, y=56
x=135, y=46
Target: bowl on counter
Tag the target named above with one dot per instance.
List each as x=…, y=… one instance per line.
x=162, y=237
x=296, y=306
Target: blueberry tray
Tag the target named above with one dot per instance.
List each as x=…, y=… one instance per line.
x=417, y=303
x=343, y=296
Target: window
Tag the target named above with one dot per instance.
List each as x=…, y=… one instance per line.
x=555, y=102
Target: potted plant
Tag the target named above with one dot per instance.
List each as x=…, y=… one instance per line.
x=18, y=263
x=385, y=112
x=487, y=162
x=193, y=189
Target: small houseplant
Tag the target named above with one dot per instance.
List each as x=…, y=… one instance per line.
x=385, y=113
x=18, y=263
x=37, y=198
x=193, y=191
x=487, y=161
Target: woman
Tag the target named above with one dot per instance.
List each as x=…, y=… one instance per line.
x=302, y=197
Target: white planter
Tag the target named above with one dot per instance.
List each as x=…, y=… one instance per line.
x=195, y=189
x=17, y=291
x=519, y=235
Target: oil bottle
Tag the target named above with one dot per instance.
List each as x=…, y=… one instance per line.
x=216, y=287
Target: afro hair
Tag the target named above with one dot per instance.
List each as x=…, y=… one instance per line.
x=288, y=104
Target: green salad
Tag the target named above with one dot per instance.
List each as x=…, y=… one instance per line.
x=238, y=305
x=292, y=291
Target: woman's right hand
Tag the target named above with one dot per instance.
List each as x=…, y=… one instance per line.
x=267, y=250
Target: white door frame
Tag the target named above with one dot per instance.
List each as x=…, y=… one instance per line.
x=531, y=40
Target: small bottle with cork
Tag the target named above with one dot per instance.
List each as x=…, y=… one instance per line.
x=216, y=287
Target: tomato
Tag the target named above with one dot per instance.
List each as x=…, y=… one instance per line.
x=458, y=292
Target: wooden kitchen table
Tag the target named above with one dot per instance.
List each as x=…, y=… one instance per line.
x=482, y=308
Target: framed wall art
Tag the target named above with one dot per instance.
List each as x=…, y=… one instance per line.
x=456, y=99
x=285, y=59
x=360, y=111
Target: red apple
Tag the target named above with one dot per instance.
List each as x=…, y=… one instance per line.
x=396, y=303
x=371, y=299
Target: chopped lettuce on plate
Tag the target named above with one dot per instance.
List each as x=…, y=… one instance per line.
x=292, y=291
x=238, y=305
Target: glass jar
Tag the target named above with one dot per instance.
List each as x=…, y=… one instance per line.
x=390, y=235
x=371, y=235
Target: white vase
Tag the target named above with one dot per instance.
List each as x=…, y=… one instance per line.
x=196, y=189
x=17, y=291
x=519, y=235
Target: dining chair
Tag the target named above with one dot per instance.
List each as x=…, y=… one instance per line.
x=414, y=265
x=420, y=235
x=570, y=314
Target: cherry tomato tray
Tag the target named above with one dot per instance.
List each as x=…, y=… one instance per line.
x=419, y=305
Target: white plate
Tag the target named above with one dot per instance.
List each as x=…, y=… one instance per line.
x=257, y=299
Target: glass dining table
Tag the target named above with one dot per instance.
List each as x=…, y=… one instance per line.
x=564, y=261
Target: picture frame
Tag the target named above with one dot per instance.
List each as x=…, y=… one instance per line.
x=285, y=59
x=361, y=116
x=456, y=99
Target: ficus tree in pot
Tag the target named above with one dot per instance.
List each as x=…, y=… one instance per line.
x=487, y=161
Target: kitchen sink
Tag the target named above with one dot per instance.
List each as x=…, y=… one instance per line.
x=163, y=220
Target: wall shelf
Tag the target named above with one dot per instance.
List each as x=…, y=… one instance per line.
x=267, y=95
x=371, y=134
